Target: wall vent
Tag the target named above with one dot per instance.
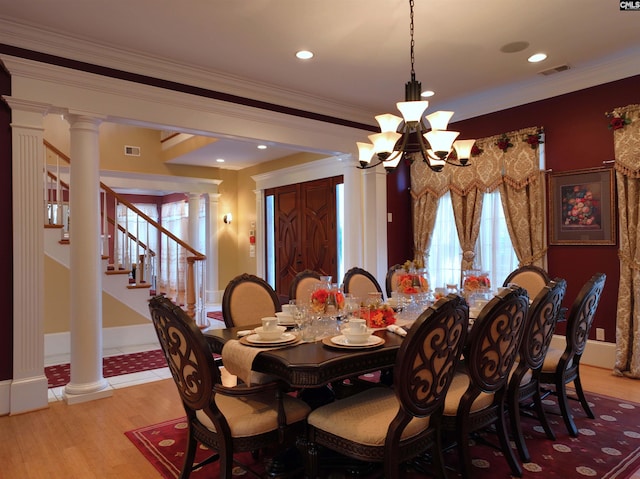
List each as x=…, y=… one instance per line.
x=132, y=150
x=553, y=70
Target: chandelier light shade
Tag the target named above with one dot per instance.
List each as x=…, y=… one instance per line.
x=401, y=137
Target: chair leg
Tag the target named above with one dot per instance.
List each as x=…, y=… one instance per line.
x=462, y=438
x=311, y=460
x=189, y=457
x=503, y=436
x=542, y=416
x=563, y=401
x=582, y=397
x=516, y=426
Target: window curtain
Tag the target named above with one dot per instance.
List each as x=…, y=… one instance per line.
x=626, y=124
x=509, y=159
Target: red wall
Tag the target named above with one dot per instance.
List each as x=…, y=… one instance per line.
x=577, y=137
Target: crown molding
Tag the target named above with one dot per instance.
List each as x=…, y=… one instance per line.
x=24, y=35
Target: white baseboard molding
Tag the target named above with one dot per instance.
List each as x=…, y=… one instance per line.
x=112, y=338
x=597, y=353
x=5, y=397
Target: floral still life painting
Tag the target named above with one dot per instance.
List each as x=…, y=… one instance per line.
x=581, y=206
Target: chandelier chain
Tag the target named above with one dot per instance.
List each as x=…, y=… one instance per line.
x=413, y=72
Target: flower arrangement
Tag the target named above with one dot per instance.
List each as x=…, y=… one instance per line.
x=412, y=283
x=533, y=140
x=321, y=298
x=378, y=316
x=617, y=122
x=504, y=143
x=476, y=282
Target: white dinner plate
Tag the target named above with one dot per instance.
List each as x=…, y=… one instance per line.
x=285, y=338
x=343, y=341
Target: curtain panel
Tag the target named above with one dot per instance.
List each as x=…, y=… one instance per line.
x=625, y=122
x=507, y=161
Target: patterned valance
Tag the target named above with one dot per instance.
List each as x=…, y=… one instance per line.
x=517, y=165
x=627, y=140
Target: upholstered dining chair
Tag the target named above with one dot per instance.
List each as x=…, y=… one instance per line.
x=393, y=425
x=530, y=277
x=246, y=299
x=476, y=398
x=225, y=419
x=391, y=280
x=360, y=282
x=524, y=387
x=562, y=363
x=302, y=286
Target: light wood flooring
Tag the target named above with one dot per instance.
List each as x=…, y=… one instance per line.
x=87, y=441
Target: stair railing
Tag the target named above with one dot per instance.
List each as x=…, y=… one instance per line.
x=137, y=245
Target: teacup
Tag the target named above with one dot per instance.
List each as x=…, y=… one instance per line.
x=357, y=325
x=269, y=323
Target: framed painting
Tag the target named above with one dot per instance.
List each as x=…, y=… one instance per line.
x=582, y=207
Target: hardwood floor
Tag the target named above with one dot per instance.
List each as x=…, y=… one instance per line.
x=87, y=441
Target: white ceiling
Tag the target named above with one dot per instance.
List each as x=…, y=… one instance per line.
x=361, y=49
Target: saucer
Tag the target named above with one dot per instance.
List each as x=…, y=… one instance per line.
x=342, y=342
x=254, y=340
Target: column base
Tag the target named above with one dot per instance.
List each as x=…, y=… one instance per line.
x=75, y=394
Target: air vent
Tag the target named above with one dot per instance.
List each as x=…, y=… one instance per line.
x=553, y=70
x=132, y=150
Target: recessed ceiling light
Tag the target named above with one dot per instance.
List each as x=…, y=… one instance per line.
x=262, y=147
x=537, y=57
x=427, y=93
x=219, y=160
x=304, y=54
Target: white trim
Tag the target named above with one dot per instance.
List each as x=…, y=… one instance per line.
x=314, y=170
x=5, y=397
x=597, y=353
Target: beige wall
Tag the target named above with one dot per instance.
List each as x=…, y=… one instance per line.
x=57, y=296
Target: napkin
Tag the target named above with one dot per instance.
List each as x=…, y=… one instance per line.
x=245, y=332
x=238, y=359
x=397, y=330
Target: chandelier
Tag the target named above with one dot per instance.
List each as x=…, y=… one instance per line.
x=400, y=138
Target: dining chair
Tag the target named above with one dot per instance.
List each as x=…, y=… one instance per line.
x=246, y=299
x=523, y=391
x=359, y=283
x=225, y=419
x=530, y=277
x=562, y=363
x=476, y=398
x=302, y=286
x=390, y=280
x=393, y=425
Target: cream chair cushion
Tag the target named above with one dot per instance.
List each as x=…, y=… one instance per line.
x=364, y=417
x=456, y=391
x=531, y=281
x=253, y=415
x=360, y=286
x=552, y=358
x=304, y=289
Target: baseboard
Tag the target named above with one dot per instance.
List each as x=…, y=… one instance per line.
x=112, y=338
x=5, y=397
x=597, y=353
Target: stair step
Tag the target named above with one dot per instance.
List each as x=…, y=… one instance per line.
x=138, y=286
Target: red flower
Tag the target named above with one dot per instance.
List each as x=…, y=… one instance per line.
x=504, y=143
x=617, y=122
x=533, y=140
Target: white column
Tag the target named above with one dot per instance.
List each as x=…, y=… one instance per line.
x=375, y=221
x=213, y=220
x=87, y=382
x=194, y=224
x=353, y=215
x=29, y=384
x=261, y=270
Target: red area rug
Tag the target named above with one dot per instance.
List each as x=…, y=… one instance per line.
x=607, y=447
x=59, y=375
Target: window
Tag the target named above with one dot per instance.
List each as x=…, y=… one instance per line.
x=494, y=251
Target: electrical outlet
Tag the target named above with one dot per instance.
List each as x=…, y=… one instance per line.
x=600, y=334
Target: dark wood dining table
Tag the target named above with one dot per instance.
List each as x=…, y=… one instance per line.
x=314, y=364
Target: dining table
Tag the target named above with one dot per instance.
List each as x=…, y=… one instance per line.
x=313, y=364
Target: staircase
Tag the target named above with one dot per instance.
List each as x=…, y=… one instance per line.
x=132, y=246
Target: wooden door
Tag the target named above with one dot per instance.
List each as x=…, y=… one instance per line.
x=305, y=233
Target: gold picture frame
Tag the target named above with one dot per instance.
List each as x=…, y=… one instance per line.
x=582, y=207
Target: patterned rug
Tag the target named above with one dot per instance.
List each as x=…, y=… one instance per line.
x=59, y=375
x=607, y=447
